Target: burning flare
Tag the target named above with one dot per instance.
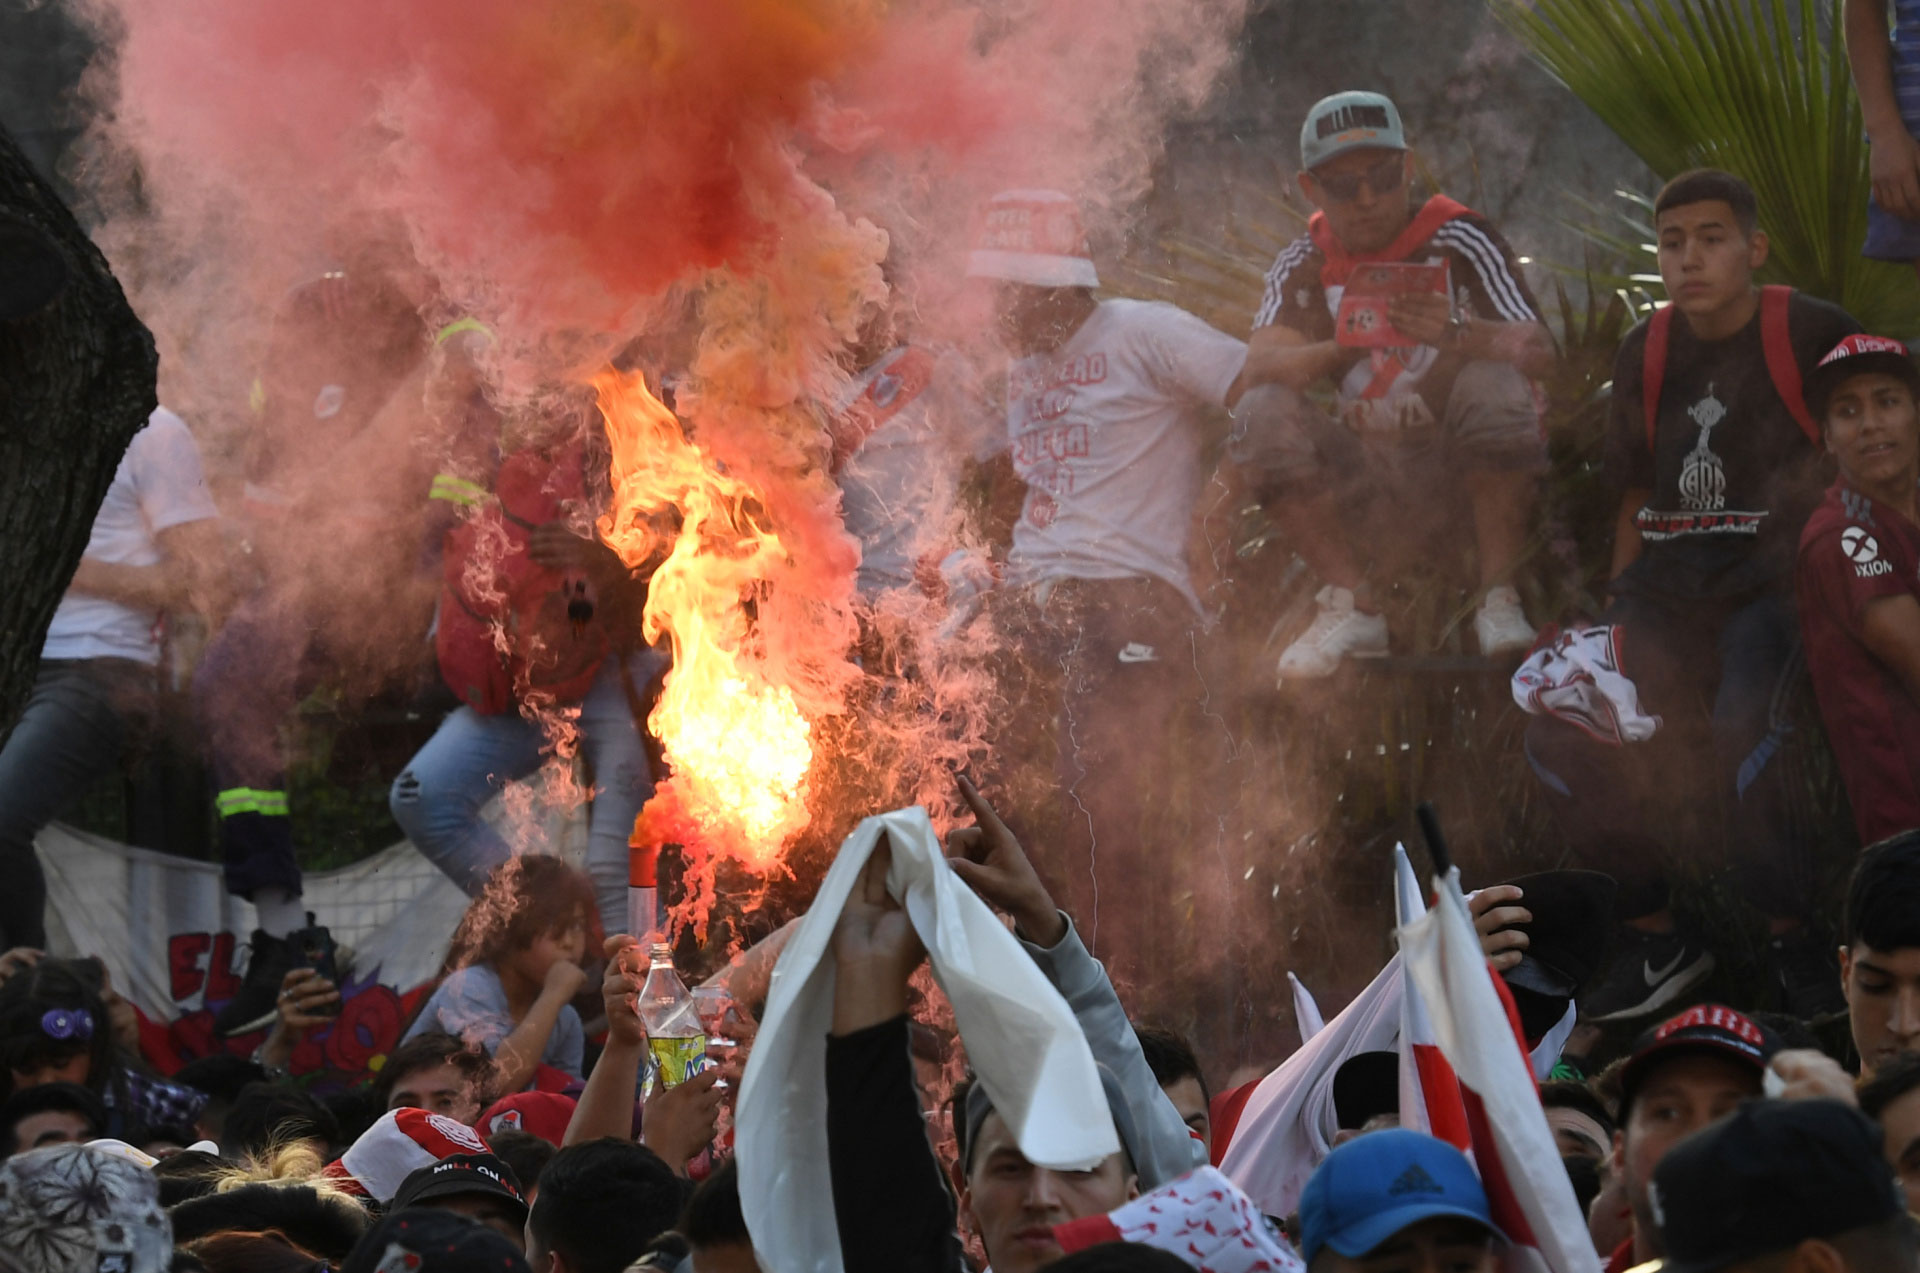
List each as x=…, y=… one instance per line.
x=738, y=743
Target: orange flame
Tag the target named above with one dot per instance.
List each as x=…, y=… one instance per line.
x=738, y=744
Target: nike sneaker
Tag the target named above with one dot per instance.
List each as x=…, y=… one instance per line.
x=1501, y=625
x=1339, y=631
x=1649, y=972
x=1807, y=977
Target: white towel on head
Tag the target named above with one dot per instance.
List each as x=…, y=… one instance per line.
x=1020, y=1036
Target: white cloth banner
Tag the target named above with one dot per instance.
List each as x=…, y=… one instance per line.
x=168, y=931
x=1021, y=1037
x=1288, y=1124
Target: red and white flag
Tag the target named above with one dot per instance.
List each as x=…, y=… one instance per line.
x=1478, y=1032
x=1429, y=1093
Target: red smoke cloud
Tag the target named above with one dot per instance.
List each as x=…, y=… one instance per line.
x=560, y=164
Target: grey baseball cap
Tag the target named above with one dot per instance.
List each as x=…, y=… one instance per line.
x=1350, y=121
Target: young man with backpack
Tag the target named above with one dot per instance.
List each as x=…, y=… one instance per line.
x=1718, y=464
x=1419, y=317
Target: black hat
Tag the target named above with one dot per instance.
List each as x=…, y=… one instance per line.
x=423, y=1240
x=1567, y=936
x=1705, y=1027
x=462, y=1175
x=1366, y=1085
x=1767, y=1178
x=1855, y=355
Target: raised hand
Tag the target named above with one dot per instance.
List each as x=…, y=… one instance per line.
x=564, y=980
x=620, y=989
x=876, y=949
x=305, y=1000
x=988, y=856
x=1493, y=913
x=678, y=1121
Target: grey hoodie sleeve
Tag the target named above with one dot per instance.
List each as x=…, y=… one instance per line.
x=1168, y=1149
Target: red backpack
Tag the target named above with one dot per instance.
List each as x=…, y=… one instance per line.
x=504, y=633
x=1781, y=367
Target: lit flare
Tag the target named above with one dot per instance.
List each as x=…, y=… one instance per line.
x=738, y=744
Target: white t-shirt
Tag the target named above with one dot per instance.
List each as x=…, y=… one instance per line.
x=1103, y=434
x=158, y=485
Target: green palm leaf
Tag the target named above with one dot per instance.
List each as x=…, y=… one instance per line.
x=1757, y=87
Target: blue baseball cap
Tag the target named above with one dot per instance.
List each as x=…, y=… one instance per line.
x=1375, y=1185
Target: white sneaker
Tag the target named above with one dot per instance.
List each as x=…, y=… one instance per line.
x=1501, y=625
x=1338, y=631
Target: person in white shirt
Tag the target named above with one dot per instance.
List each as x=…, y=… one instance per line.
x=154, y=545
x=1102, y=405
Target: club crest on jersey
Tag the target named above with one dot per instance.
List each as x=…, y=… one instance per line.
x=1703, y=478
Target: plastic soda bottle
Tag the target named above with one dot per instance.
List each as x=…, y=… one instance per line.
x=676, y=1040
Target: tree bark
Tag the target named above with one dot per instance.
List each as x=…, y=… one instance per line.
x=77, y=381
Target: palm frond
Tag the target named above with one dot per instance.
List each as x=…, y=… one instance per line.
x=1757, y=87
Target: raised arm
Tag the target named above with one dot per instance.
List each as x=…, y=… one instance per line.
x=893, y=1209
x=519, y=1053
x=679, y=1121
x=988, y=856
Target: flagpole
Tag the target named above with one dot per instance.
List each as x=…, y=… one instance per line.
x=1436, y=842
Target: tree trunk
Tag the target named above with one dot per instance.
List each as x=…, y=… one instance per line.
x=77, y=377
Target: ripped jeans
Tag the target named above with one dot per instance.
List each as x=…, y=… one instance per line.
x=438, y=797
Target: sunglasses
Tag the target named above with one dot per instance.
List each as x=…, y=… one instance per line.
x=1382, y=178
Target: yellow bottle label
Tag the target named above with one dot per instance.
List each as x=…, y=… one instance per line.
x=678, y=1060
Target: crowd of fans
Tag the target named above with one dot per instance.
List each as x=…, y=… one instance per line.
x=1397, y=341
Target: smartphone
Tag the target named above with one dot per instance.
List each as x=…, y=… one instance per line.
x=313, y=948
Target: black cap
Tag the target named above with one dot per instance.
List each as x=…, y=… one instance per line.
x=1857, y=355
x=422, y=1240
x=462, y=1175
x=1705, y=1027
x=1366, y=1085
x=1766, y=1179
x=1567, y=936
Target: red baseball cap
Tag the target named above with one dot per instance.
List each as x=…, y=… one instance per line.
x=1856, y=355
x=1705, y=1027
x=542, y=1114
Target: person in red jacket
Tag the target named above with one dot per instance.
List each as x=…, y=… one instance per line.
x=1859, y=580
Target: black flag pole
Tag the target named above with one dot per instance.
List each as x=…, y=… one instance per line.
x=1436, y=842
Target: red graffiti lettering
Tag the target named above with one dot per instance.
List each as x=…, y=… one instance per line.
x=223, y=983
x=184, y=974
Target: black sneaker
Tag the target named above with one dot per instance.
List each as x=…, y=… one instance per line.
x=269, y=961
x=1649, y=971
x=1807, y=976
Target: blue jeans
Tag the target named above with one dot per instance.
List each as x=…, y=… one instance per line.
x=438, y=797
x=83, y=718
